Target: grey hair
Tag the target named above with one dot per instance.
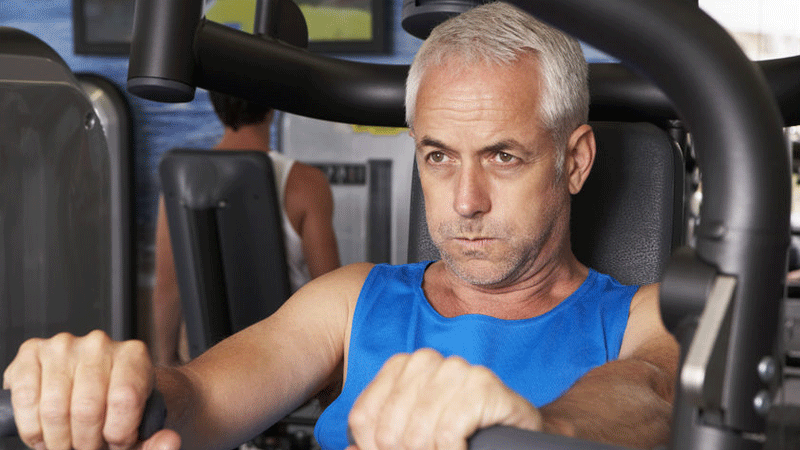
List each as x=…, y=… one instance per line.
x=498, y=34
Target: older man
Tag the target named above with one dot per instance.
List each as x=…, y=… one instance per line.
x=509, y=328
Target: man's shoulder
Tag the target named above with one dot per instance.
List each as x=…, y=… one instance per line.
x=337, y=287
x=307, y=181
x=609, y=293
x=304, y=171
x=349, y=275
x=647, y=293
x=360, y=271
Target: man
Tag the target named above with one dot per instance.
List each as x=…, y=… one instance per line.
x=307, y=214
x=509, y=328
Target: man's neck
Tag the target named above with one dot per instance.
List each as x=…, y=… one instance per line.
x=247, y=137
x=531, y=295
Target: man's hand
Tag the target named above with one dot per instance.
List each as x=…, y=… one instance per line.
x=84, y=393
x=426, y=401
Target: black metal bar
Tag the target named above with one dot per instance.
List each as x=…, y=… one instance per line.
x=161, y=63
x=736, y=126
x=297, y=81
x=265, y=22
x=379, y=224
x=210, y=283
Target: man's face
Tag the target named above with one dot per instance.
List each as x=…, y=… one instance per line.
x=495, y=207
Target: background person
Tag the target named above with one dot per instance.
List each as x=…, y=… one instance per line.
x=306, y=203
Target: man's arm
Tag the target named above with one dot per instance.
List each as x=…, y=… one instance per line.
x=256, y=377
x=308, y=190
x=89, y=392
x=628, y=401
x=165, y=313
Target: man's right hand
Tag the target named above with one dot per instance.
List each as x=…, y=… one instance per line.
x=84, y=393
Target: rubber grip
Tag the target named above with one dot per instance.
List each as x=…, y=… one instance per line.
x=500, y=437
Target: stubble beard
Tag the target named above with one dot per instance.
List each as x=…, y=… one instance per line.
x=496, y=268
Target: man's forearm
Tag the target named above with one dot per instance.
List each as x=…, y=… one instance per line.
x=183, y=407
x=626, y=402
x=164, y=329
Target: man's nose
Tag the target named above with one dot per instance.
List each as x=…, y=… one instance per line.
x=472, y=193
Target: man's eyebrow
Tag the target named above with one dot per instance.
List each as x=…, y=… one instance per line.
x=427, y=141
x=503, y=145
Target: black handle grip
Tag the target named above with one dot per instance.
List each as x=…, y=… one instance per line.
x=512, y=438
x=155, y=412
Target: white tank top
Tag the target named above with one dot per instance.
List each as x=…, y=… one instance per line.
x=295, y=259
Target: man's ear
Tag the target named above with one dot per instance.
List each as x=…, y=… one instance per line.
x=580, y=153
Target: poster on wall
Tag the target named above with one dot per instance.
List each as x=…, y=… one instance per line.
x=104, y=27
x=334, y=26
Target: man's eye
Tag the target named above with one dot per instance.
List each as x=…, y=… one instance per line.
x=504, y=157
x=436, y=157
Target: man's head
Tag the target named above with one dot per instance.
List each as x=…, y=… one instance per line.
x=235, y=112
x=497, y=190
x=498, y=33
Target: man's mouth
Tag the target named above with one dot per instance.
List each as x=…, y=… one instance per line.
x=473, y=242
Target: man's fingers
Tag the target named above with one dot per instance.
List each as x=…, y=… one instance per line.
x=162, y=440
x=56, y=392
x=25, y=372
x=89, y=391
x=370, y=403
x=401, y=402
x=128, y=390
x=445, y=388
x=85, y=393
x=490, y=403
x=426, y=401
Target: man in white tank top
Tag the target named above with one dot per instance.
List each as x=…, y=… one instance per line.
x=307, y=208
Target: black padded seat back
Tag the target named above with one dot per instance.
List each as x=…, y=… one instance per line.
x=226, y=230
x=628, y=217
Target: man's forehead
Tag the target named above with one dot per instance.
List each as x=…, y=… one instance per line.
x=518, y=81
x=490, y=103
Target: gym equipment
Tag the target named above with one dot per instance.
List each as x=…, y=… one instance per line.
x=226, y=229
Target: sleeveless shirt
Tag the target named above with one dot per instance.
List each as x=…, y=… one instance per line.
x=295, y=258
x=539, y=358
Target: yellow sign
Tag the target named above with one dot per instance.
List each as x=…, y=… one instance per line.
x=379, y=131
x=325, y=23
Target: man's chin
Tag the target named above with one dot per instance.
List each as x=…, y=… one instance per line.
x=477, y=272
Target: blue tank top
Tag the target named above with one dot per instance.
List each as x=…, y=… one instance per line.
x=539, y=358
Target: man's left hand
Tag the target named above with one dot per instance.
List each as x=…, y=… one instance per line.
x=425, y=401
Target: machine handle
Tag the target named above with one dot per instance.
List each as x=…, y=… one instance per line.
x=512, y=438
x=155, y=412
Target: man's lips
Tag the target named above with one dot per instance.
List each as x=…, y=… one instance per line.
x=471, y=242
